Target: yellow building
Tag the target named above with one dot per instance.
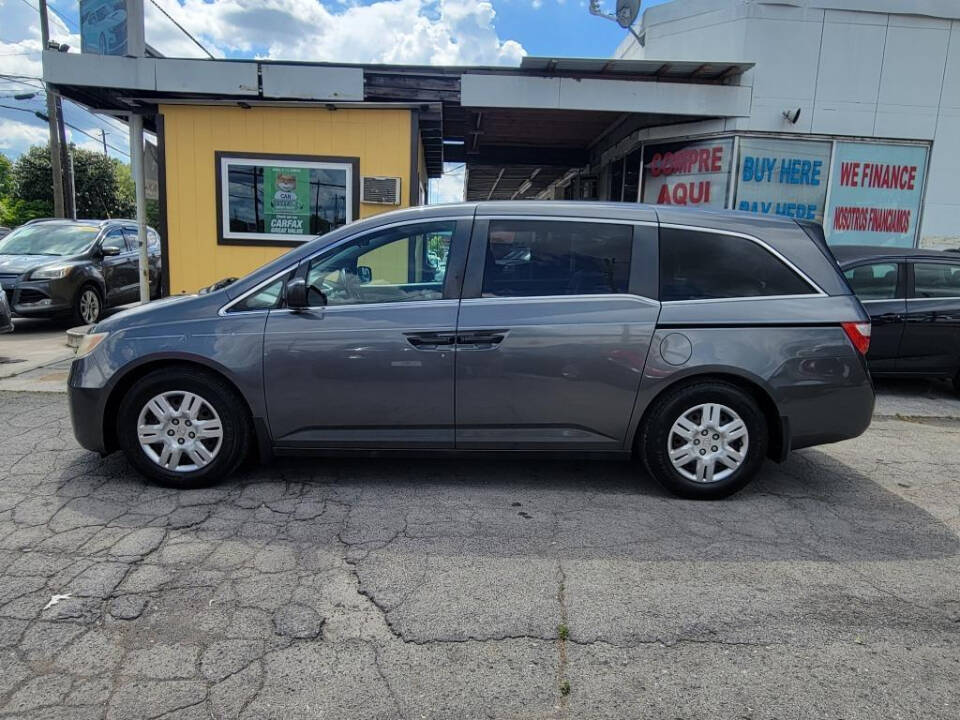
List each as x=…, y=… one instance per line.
x=221, y=169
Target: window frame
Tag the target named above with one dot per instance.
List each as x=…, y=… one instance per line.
x=816, y=290
x=912, y=279
x=222, y=161
x=901, y=288
x=642, y=281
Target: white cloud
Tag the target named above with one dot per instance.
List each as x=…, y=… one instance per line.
x=390, y=31
x=449, y=187
x=16, y=136
x=20, y=47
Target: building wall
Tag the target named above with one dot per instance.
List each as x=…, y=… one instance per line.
x=380, y=138
x=853, y=73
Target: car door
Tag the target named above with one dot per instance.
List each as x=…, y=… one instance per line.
x=117, y=268
x=555, y=323
x=880, y=285
x=931, y=335
x=371, y=362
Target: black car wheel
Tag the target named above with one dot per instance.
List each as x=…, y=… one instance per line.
x=705, y=440
x=183, y=428
x=88, y=305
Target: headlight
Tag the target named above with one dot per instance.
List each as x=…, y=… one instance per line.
x=52, y=272
x=89, y=343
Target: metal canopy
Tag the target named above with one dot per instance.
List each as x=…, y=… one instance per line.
x=635, y=69
x=583, y=100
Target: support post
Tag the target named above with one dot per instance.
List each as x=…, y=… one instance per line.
x=53, y=118
x=137, y=168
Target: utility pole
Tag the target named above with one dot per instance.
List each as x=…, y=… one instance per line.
x=53, y=115
x=66, y=165
x=103, y=136
x=136, y=47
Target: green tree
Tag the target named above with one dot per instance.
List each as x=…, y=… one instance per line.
x=103, y=185
x=6, y=176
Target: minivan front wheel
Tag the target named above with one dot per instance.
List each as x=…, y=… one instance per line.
x=705, y=440
x=183, y=428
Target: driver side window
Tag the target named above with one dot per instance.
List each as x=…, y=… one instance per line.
x=402, y=264
x=114, y=240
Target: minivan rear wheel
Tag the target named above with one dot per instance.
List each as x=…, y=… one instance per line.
x=705, y=440
x=183, y=428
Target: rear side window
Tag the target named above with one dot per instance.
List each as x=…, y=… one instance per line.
x=528, y=258
x=873, y=282
x=697, y=265
x=936, y=280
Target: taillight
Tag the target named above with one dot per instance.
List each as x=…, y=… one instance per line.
x=859, y=334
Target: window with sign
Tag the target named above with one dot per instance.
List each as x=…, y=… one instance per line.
x=284, y=199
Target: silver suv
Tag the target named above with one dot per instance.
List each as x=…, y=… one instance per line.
x=701, y=342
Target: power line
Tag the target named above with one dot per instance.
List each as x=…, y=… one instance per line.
x=66, y=21
x=182, y=28
x=44, y=117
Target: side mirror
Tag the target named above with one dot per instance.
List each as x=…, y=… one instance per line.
x=109, y=251
x=296, y=295
x=364, y=274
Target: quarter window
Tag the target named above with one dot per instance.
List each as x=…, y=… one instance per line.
x=873, y=282
x=402, y=264
x=528, y=258
x=266, y=298
x=703, y=266
x=936, y=280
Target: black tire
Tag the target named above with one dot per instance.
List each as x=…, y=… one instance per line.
x=224, y=400
x=956, y=383
x=79, y=316
x=668, y=409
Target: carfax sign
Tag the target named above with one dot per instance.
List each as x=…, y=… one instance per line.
x=783, y=177
x=875, y=194
x=287, y=200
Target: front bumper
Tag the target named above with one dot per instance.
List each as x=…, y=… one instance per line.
x=40, y=298
x=86, y=410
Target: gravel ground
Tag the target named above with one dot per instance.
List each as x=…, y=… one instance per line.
x=481, y=589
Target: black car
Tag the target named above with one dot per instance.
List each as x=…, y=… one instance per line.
x=6, y=322
x=913, y=297
x=75, y=268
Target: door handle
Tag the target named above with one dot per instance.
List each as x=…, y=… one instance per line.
x=480, y=339
x=890, y=317
x=431, y=340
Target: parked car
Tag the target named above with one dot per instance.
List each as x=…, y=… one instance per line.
x=703, y=342
x=6, y=319
x=913, y=297
x=75, y=268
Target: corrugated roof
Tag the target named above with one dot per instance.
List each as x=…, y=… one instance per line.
x=669, y=69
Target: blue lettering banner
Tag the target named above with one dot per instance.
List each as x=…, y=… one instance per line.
x=783, y=177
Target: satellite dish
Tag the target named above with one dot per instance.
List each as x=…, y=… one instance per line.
x=627, y=11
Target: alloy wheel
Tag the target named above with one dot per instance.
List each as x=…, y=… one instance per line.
x=89, y=306
x=707, y=443
x=180, y=431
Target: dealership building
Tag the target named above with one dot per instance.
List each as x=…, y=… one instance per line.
x=842, y=111
x=853, y=118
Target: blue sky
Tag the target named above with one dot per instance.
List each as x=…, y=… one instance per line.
x=470, y=32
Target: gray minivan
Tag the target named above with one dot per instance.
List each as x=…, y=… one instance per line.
x=703, y=342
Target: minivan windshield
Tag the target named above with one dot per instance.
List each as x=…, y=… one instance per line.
x=49, y=239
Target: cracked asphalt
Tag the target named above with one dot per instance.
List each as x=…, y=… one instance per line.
x=479, y=589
